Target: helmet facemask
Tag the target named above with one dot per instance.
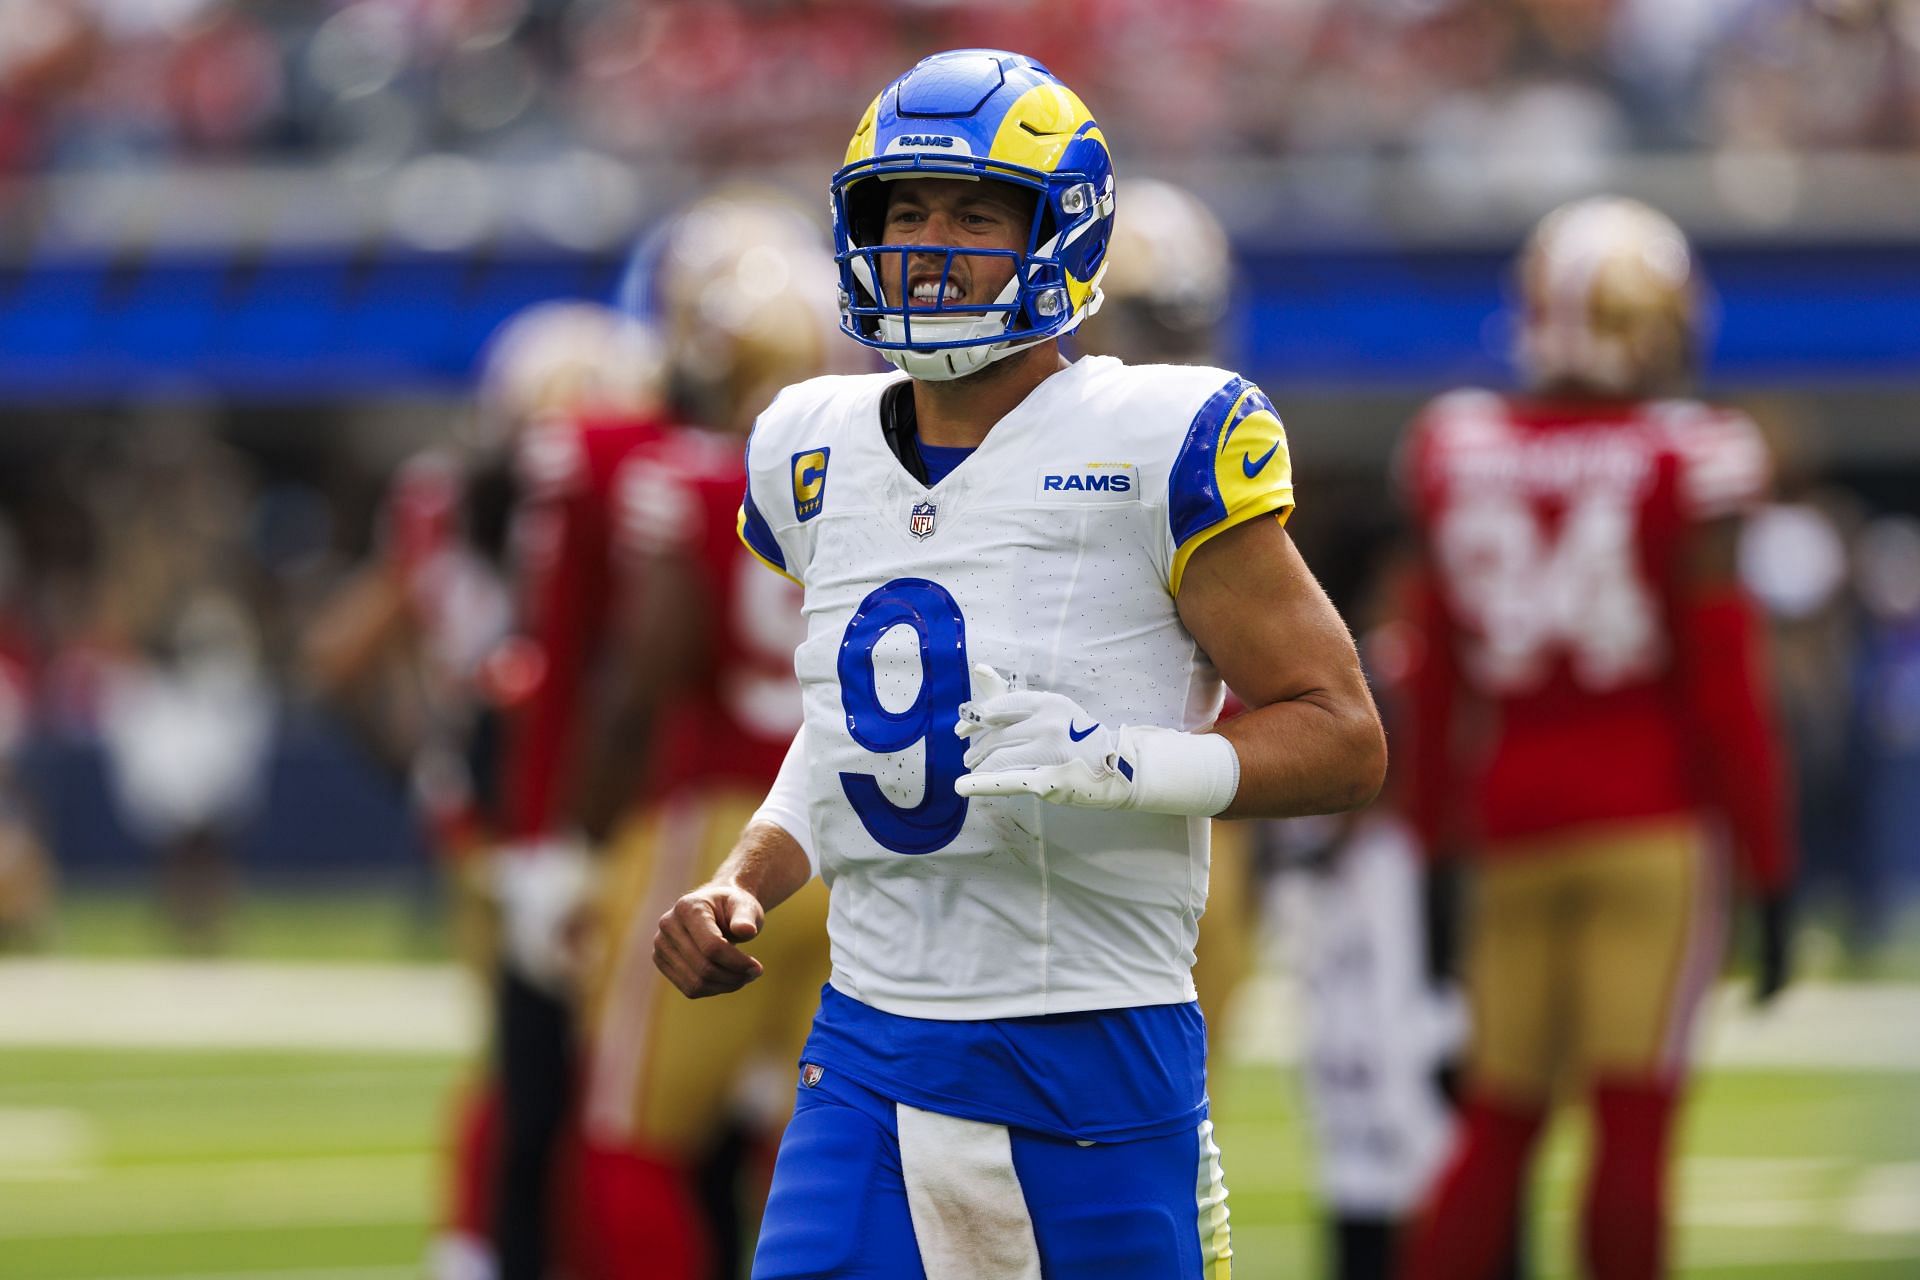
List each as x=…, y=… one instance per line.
x=951, y=340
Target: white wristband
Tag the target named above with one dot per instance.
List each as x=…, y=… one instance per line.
x=1195, y=774
x=786, y=804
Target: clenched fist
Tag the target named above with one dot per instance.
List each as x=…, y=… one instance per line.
x=695, y=945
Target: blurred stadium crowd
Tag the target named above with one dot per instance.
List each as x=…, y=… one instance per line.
x=370, y=84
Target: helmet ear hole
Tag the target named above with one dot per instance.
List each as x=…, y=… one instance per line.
x=1046, y=224
x=867, y=212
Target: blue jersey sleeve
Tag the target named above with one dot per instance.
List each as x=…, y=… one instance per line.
x=758, y=537
x=808, y=475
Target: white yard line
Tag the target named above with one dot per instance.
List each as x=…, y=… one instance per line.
x=45, y=1143
x=434, y=1010
x=1885, y=1201
x=415, y=1008
x=171, y=1004
x=1818, y=1026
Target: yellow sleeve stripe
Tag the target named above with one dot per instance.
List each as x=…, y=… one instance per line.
x=740, y=527
x=1281, y=509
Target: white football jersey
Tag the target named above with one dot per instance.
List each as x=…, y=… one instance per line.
x=1052, y=553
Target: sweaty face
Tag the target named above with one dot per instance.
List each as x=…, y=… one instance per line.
x=953, y=213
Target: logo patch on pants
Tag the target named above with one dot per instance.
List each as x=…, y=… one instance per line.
x=810, y=1073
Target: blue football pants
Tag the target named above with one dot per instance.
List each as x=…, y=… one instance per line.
x=866, y=1188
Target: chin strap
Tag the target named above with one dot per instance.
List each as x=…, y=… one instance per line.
x=941, y=363
x=944, y=363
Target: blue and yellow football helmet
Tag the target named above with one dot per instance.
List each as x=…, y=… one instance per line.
x=988, y=115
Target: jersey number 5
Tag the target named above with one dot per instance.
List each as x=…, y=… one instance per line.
x=934, y=616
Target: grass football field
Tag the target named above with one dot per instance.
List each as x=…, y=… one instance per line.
x=143, y=1156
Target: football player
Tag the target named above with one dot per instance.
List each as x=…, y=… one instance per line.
x=1589, y=708
x=563, y=580
x=578, y=389
x=28, y=883
x=410, y=650
x=694, y=716
x=1024, y=581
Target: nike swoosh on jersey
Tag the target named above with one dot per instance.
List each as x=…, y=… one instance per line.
x=1078, y=734
x=1252, y=468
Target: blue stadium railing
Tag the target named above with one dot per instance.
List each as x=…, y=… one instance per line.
x=336, y=326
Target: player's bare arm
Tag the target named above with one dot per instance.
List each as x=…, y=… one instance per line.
x=364, y=620
x=1721, y=671
x=1311, y=744
x=697, y=944
x=1311, y=741
x=661, y=640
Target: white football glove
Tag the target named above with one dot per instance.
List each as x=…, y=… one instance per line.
x=1031, y=742
x=542, y=887
x=1027, y=742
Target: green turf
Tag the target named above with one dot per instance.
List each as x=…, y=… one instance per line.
x=333, y=925
x=380, y=924
x=173, y=1164
x=165, y=1164
x=324, y=1166
x=1787, y=1175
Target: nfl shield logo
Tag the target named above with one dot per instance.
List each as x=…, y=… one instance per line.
x=810, y=1073
x=920, y=523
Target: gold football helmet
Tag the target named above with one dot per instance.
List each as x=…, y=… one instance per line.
x=1168, y=281
x=578, y=359
x=1610, y=301
x=742, y=286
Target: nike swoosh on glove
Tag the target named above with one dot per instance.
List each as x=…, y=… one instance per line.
x=1035, y=743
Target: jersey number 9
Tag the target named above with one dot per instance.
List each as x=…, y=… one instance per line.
x=934, y=616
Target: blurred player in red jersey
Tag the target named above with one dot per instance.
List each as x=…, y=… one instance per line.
x=696, y=709
x=410, y=650
x=563, y=586
x=1588, y=715
x=27, y=878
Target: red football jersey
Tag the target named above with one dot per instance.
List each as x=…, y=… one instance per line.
x=734, y=721
x=1556, y=540
x=562, y=543
x=457, y=598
